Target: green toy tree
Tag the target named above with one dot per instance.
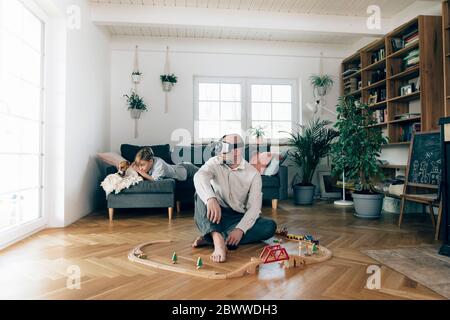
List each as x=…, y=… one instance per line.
x=199, y=263
x=358, y=147
x=174, y=258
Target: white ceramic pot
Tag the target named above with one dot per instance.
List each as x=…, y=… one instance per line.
x=322, y=91
x=135, y=113
x=136, y=78
x=167, y=86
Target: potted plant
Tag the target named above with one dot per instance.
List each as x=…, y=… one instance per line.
x=136, y=104
x=321, y=83
x=168, y=80
x=357, y=151
x=258, y=132
x=136, y=76
x=309, y=144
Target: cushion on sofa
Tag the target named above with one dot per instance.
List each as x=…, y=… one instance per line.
x=261, y=160
x=111, y=158
x=161, y=151
x=161, y=186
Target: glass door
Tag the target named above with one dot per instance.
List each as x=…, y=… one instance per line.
x=21, y=126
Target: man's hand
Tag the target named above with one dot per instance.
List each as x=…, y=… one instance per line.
x=214, y=212
x=235, y=237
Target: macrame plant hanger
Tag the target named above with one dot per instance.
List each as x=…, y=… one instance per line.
x=166, y=71
x=135, y=83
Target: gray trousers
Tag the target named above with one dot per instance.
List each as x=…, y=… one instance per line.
x=263, y=228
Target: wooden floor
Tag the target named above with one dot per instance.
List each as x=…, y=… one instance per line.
x=36, y=268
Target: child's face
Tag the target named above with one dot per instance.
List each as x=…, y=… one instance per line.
x=144, y=165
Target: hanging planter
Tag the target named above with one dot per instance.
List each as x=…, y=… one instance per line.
x=136, y=77
x=168, y=81
x=136, y=105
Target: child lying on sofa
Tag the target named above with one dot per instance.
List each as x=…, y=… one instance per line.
x=153, y=168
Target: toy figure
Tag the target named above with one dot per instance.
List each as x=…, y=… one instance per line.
x=199, y=263
x=174, y=258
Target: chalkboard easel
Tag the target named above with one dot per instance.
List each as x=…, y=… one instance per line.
x=423, y=175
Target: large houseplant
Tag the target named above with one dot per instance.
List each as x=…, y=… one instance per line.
x=309, y=144
x=136, y=104
x=357, y=151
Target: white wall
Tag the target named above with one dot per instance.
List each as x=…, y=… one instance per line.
x=77, y=128
x=190, y=58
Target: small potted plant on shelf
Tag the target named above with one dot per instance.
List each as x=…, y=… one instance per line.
x=136, y=76
x=357, y=152
x=309, y=144
x=136, y=105
x=321, y=83
x=258, y=132
x=168, y=80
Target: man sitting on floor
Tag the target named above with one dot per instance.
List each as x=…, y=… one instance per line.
x=228, y=201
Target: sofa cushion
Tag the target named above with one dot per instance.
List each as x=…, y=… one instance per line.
x=161, y=151
x=270, y=181
x=161, y=186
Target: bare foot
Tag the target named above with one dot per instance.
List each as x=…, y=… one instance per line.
x=219, y=255
x=220, y=250
x=200, y=242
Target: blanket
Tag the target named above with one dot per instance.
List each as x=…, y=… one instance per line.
x=115, y=183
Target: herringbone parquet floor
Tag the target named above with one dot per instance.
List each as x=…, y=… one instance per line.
x=37, y=267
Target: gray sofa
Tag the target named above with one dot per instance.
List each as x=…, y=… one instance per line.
x=169, y=193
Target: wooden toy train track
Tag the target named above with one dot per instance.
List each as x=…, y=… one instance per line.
x=186, y=265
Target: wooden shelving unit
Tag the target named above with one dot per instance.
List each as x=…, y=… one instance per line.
x=446, y=53
x=412, y=53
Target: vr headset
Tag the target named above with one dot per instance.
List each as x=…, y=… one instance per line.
x=222, y=147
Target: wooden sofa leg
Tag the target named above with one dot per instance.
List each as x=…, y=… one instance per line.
x=111, y=214
x=274, y=204
x=178, y=206
x=170, y=211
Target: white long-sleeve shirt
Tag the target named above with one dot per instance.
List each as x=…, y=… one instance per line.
x=239, y=189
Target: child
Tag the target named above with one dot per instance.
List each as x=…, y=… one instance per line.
x=153, y=168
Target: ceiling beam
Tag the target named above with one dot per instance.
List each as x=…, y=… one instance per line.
x=220, y=18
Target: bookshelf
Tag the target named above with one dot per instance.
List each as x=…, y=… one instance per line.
x=446, y=54
x=400, y=77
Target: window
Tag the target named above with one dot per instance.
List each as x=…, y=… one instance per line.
x=224, y=106
x=219, y=109
x=272, y=109
x=21, y=96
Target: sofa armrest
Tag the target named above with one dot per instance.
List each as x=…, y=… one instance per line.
x=283, y=176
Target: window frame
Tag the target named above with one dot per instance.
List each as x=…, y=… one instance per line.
x=14, y=233
x=246, y=107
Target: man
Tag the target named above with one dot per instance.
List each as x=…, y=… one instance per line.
x=228, y=201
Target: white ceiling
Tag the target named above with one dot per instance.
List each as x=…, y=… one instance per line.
x=228, y=34
x=129, y=20
x=322, y=7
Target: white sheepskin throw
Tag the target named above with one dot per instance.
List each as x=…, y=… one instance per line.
x=115, y=183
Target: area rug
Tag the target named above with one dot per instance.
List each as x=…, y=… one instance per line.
x=422, y=264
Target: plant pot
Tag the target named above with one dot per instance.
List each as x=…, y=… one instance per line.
x=322, y=91
x=368, y=206
x=135, y=113
x=167, y=86
x=136, y=78
x=303, y=195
